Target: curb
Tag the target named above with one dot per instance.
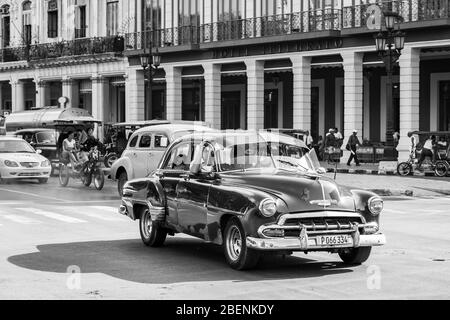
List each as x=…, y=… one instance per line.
x=377, y=172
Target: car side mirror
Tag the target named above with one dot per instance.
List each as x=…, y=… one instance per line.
x=321, y=170
x=39, y=151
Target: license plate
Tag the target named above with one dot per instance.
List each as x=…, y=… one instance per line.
x=329, y=241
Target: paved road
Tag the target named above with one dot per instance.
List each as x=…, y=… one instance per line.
x=48, y=235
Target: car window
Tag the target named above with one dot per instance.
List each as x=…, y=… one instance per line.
x=161, y=141
x=133, y=142
x=180, y=157
x=146, y=141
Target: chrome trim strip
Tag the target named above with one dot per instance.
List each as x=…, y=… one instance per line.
x=320, y=214
x=309, y=243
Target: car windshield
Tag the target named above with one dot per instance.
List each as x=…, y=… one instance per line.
x=15, y=146
x=45, y=137
x=308, y=163
x=246, y=152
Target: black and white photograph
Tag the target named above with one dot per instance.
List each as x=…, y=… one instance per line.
x=241, y=152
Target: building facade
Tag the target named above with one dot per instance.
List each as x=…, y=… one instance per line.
x=251, y=64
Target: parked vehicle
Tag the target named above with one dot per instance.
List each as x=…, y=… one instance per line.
x=228, y=189
x=146, y=148
x=19, y=160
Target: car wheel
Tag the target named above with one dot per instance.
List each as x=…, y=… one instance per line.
x=123, y=178
x=237, y=254
x=152, y=234
x=43, y=180
x=355, y=256
x=404, y=169
x=440, y=169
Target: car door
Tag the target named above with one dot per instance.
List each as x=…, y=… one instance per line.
x=174, y=165
x=192, y=198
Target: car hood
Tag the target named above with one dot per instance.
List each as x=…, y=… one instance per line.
x=22, y=157
x=300, y=192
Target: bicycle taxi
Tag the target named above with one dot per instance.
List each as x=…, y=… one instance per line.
x=439, y=163
x=91, y=168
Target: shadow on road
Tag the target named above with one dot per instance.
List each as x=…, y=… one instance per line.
x=180, y=260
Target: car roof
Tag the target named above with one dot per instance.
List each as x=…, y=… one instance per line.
x=174, y=127
x=9, y=138
x=33, y=131
x=232, y=134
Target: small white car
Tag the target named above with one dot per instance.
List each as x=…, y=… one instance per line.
x=18, y=160
x=145, y=149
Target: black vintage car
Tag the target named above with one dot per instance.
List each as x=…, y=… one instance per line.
x=228, y=189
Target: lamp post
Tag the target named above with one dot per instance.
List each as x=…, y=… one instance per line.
x=150, y=63
x=389, y=44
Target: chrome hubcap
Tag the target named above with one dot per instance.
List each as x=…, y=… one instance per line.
x=234, y=243
x=146, y=224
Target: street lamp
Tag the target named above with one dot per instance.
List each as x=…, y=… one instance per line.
x=150, y=63
x=389, y=44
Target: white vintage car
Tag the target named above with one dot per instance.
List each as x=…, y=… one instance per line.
x=18, y=160
x=145, y=149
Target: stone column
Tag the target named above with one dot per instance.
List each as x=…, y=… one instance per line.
x=42, y=93
x=213, y=92
x=301, y=69
x=17, y=96
x=409, y=98
x=353, y=96
x=135, y=95
x=100, y=99
x=255, y=94
x=68, y=92
x=174, y=94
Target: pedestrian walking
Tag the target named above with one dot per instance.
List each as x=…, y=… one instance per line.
x=414, y=140
x=339, y=138
x=330, y=145
x=308, y=140
x=352, y=144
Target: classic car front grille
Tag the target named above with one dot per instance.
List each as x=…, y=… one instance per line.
x=329, y=224
x=29, y=174
x=29, y=164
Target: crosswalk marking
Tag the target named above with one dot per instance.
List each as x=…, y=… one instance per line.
x=20, y=219
x=97, y=212
x=52, y=215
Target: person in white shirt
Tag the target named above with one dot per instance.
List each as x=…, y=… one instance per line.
x=308, y=140
x=414, y=138
x=427, y=151
x=339, y=137
x=69, y=146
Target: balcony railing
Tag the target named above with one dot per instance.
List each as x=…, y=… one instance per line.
x=410, y=10
x=76, y=47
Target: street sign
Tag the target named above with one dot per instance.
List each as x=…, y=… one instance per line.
x=374, y=15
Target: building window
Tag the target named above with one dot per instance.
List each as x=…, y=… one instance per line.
x=5, y=25
x=26, y=18
x=53, y=19
x=112, y=18
x=80, y=30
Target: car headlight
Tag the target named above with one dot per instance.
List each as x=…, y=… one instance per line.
x=268, y=207
x=375, y=205
x=11, y=164
x=46, y=163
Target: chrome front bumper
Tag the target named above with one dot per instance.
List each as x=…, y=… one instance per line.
x=311, y=243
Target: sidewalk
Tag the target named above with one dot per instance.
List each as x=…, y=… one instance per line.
x=368, y=168
x=395, y=185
